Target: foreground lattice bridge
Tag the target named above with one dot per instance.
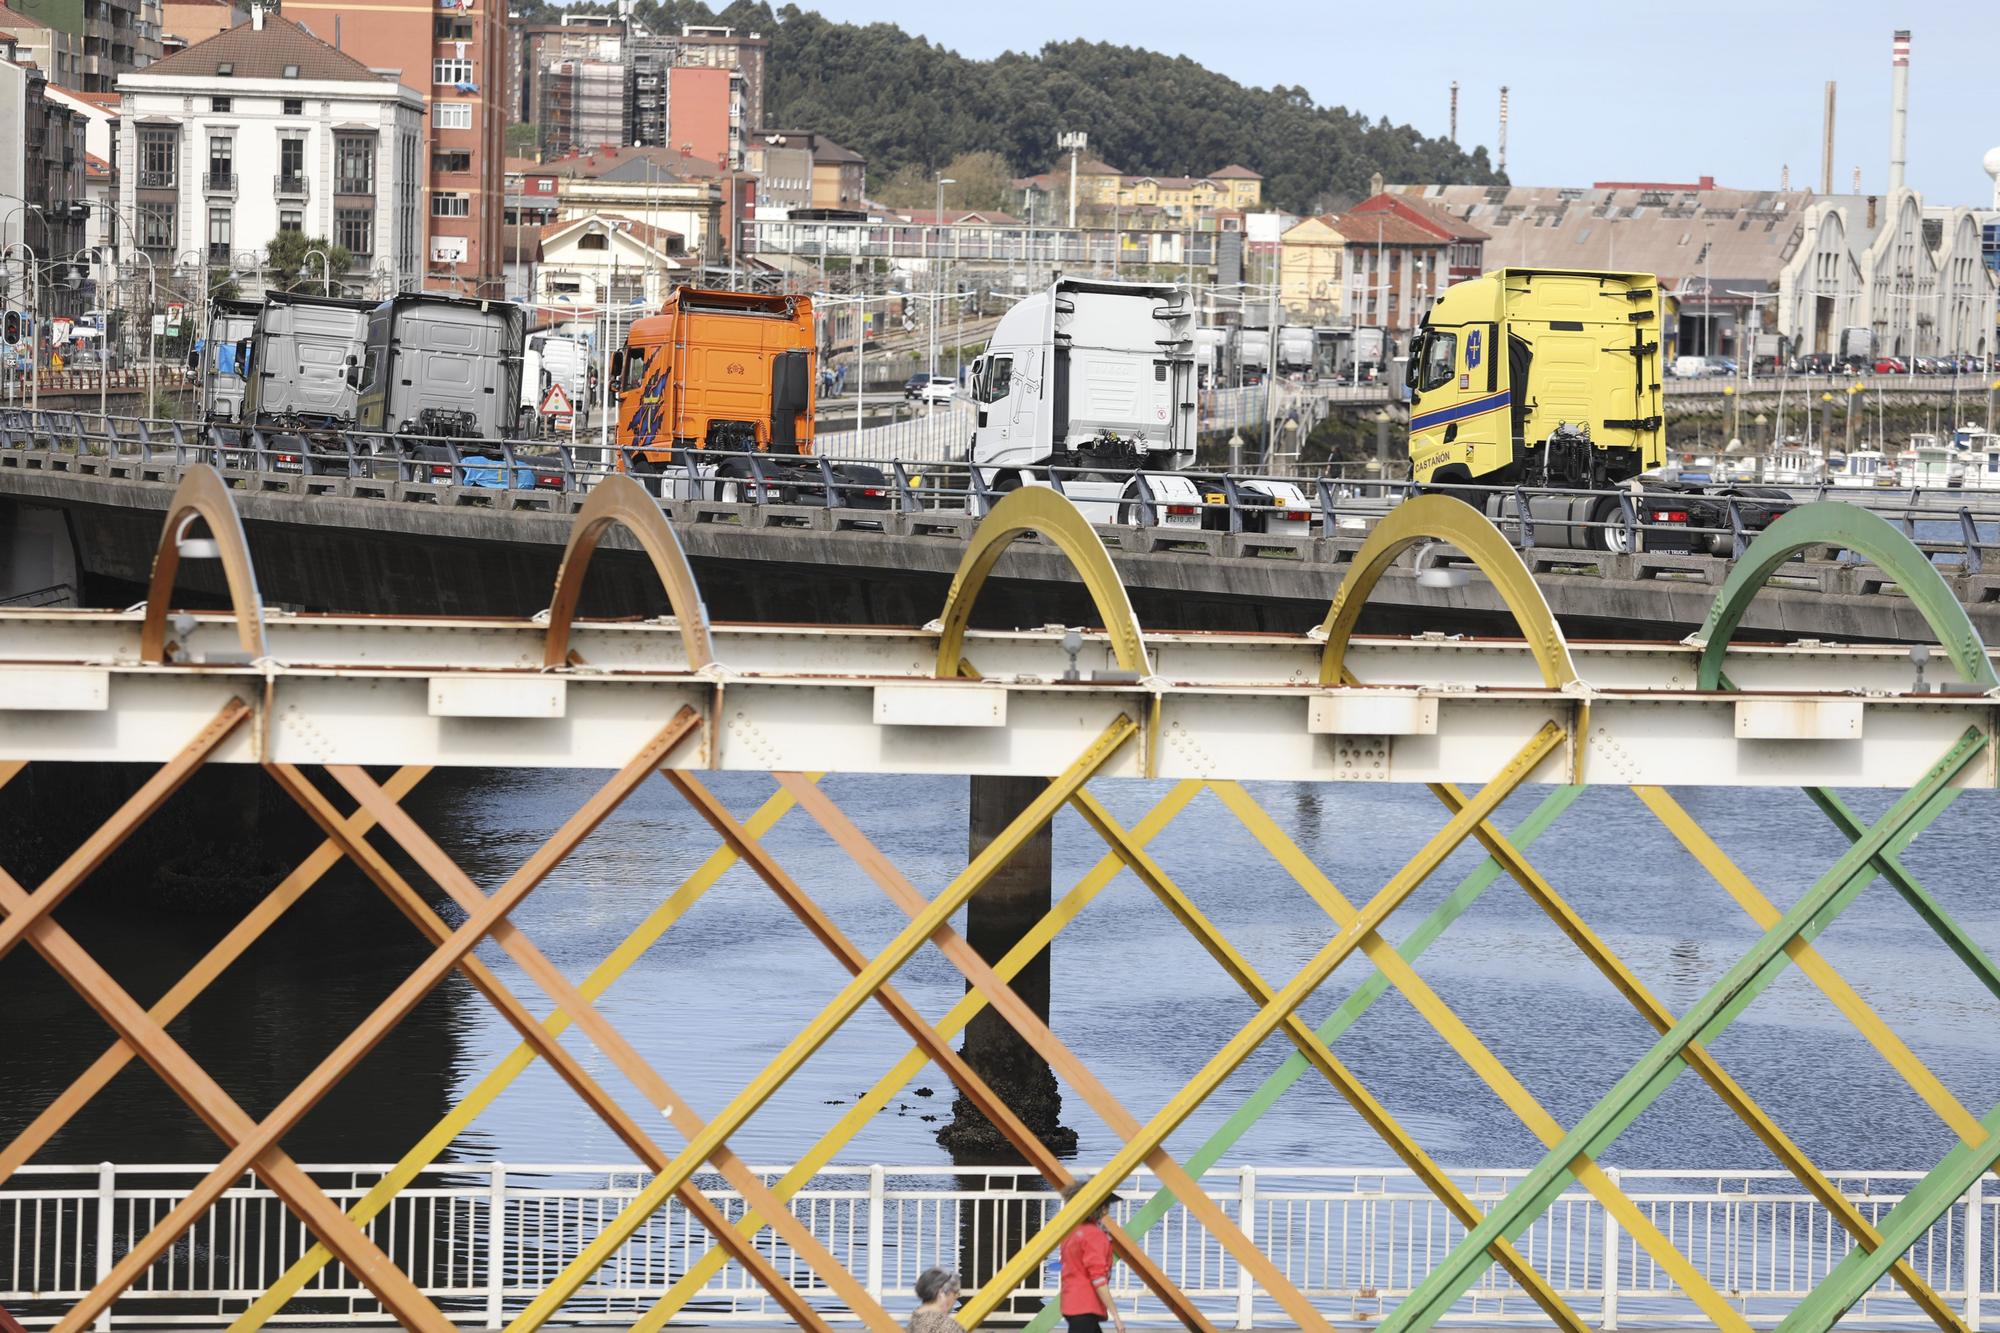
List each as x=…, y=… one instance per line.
x=1473, y=721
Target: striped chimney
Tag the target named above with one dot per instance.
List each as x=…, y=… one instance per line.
x=1899, y=108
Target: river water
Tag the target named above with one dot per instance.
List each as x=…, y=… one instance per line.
x=1133, y=994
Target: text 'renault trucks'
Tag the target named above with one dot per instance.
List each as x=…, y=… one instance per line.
x=297, y=390
x=1090, y=383
x=717, y=377
x=1552, y=379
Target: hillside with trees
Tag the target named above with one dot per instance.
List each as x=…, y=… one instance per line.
x=912, y=107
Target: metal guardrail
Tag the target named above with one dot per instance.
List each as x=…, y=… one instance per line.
x=482, y=1239
x=1960, y=529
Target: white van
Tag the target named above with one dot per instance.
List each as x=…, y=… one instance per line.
x=1690, y=367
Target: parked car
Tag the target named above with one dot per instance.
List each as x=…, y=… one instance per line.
x=1721, y=365
x=1889, y=365
x=1690, y=367
x=913, y=387
x=939, y=389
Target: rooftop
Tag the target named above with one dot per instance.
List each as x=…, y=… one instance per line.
x=280, y=50
x=621, y=164
x=1665, y=229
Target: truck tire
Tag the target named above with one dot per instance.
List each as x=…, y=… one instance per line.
x=1612, y=536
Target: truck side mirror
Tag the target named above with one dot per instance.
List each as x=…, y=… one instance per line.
x=618, y=365
x=352, y=373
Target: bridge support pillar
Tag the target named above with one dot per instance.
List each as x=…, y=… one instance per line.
x=1004, y=910
x=37, y=559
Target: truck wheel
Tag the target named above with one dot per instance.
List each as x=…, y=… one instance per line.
x=1613, y=536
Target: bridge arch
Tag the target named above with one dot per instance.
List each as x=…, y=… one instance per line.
x=624, y=502
x=202, y=494
x=1040, y=511
x=1442, y=518
x=1836, y=523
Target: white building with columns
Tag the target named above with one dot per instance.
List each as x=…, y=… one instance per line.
x=264, y=129
x=1913, y=275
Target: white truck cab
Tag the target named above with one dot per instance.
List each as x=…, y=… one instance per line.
x=1090, y=383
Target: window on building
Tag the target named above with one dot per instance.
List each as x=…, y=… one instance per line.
x=223, y=104
x=454, y=160
x=221, y=162
x=292, y=159
x=291, y=219
x=295, y=106
x=595, y=240
x=447, y=69
x=446, y=204
x=156, y=227
x=218, y=235
x=355, y=229
x=452, y=115
x=156, y=158
x=354, y=163
x=452, y=29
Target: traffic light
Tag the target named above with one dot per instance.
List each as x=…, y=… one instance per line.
x=13, y=327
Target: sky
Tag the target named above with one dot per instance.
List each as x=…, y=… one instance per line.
x=1660, y=92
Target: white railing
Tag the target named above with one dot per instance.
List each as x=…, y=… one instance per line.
x=483, y=1238
x=934, y=433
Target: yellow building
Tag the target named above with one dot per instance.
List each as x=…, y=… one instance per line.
x=1310, y=256
x=1101, y=189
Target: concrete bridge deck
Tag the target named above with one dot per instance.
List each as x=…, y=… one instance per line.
x=457, y=554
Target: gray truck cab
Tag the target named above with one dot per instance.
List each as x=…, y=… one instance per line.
x=442, y=366
x=298, y=356
x=223, y=375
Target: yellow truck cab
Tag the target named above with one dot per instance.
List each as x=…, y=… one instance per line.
x=1543, y=377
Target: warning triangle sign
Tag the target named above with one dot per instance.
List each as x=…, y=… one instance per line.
x=556, y=403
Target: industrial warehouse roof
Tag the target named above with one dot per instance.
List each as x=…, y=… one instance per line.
x=266, y=53
x=1748, y=234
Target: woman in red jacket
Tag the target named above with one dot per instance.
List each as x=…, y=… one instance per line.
x=1086, y=1270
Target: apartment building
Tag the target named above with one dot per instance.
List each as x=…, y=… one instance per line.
x=705, y=47
x=267, y=129
x=41, y=176
x=801, y=169
x=53, y=51
x=454, y=52
x=111, y=36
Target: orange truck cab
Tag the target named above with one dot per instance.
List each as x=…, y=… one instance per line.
x=715, y=401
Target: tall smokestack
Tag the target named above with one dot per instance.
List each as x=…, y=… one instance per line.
x=1454, y=111
x=1826, y=149
x=1503, y=127
x=1899, y=109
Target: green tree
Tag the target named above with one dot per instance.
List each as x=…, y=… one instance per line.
x=521, y=138
x=290, y=264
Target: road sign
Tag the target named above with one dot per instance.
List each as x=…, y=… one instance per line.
x=556, y=403
x=174, y=312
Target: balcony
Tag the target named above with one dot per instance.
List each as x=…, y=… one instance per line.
x=156, y=180
x=218, y=182
x=292, y=187
x=218, y=252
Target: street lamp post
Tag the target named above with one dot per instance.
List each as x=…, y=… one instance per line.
x=325, y=269
x=96, y=254
x=937, y=267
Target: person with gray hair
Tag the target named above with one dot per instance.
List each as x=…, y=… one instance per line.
x=937, y=1293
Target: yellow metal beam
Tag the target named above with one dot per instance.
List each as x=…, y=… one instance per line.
x=1698, y=1058
x=815, y=1034
x=1267, y=1020
x=871, y=1103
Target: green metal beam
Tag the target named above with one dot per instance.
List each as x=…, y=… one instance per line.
x=1657, y=1069
x=1837, y=523
x=1295, y=1066
x=1905, y=1226
x=1916, y=895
